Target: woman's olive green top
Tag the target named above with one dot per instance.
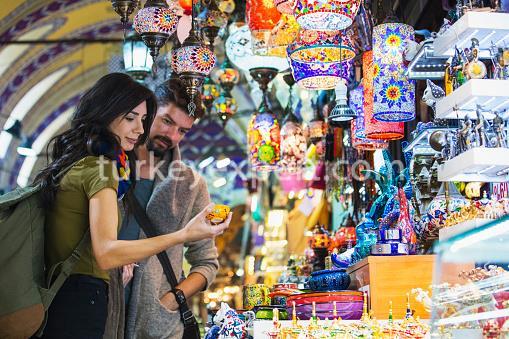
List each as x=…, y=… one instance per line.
x=68, y=219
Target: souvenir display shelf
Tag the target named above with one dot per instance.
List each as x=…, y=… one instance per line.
x=481, y=300
x=492, y=95
x=477, y=164
x=426, y=65
x=420, y=144
x=449, y=232
x=484, y=26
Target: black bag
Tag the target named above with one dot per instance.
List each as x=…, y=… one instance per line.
x=191, y=329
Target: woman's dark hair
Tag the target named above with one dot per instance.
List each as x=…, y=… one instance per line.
x=173, y=91
x=113, y=95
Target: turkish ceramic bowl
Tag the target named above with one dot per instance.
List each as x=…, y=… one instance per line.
x=267, y=312
x=348, y=304
x=329, y=280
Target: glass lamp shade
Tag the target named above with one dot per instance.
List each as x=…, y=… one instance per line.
x=261, y=15
x=226, y=75
x=209, y=93
x=331, y=15
x=284, y=33
x=239, y=51
x=317, y=75
x=394, y=93
x=155, y=20
x=321, y=46
x=137, y=60
x=224, y=106
x=193, y=59
x=376, y=129
x=359, y=139
x=293, y=147
x=285, y=6
x=263, y=137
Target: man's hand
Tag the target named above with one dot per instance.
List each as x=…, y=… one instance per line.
x=168, y=300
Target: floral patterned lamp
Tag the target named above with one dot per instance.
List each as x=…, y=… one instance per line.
x=394, y=92
x=193, y=61
x=359, y=139
x=225, y=105
x=293, y=141
x=240, y=53
x=261, y=16
x=263, y=133
x=285, y=6
x=331, y=15
x=284, y=33
x=376, y=129
x=155, y=23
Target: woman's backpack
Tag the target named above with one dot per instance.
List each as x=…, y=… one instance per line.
x=24, y=293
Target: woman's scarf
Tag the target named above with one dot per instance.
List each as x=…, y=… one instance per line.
x=124, y=172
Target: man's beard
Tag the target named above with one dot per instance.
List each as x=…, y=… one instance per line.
x=157, y=150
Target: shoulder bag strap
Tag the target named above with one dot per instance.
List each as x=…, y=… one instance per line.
x=141, y=217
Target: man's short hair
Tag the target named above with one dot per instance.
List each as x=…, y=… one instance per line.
x=173, y=91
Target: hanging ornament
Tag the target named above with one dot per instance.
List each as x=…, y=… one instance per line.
x=359, y=139
x=330, y=15
x=211, y=20
x=284, y=33
x=124, y=8
x=261, y=16
x=155, y=23
x=263, y=135
x=376, y=129
x=225, y=105
x=210, y=92
x=226, y=75
x=193, y=61
x=293, y=141
x=394, y=92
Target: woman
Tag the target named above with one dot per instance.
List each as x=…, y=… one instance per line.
x=111, y=119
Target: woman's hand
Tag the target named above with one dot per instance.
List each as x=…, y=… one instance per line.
x=127, y=273
x=199, y=228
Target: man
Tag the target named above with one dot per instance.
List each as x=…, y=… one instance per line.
x=172, y=194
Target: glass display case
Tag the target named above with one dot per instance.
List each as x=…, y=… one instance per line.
x=471, y=283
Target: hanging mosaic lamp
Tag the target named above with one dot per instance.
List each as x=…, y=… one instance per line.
x=187, y=6
x=261, y=16
x=293, y=141
x=124, y=8
x=285, y=6
x=226, y=75
x=211, y=20
x=224, y=106
x=314, y=46
x=284, y=33
x=394, y=92
x=330, y=15
x=209, y=93
x=375, y=129
x=155, y=23
x=263, y=133
x=240, y=53
x=341, y=111
x=193, y=61
x=359, y=139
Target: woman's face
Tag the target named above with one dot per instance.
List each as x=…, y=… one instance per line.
x=129, y=127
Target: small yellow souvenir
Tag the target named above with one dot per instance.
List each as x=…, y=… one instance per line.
x=218, y=214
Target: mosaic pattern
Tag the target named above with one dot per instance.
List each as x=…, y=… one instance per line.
x=263, y=139
x=197, y=59
x=376, y=129
x=319, y=76
x=155, y=20
x=394, y=93
x=394, y=99
x=239, y=51
x=285, y=6
x=224, y=106
x=283, y=34
x=331, y=15
x=359, y=139
x=321, y=46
